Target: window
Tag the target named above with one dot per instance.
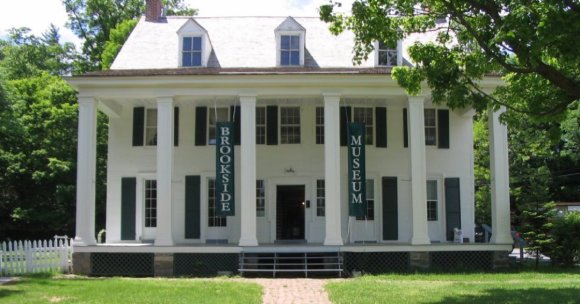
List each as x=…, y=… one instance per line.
x=290, y=125
x=191, y=56
x=151, y=127
x=431, y=200
x=150, y=203
x=320, y=125
x=260, y=198
x=320, y=197
x=215, y=115
x=290, y=50
x=430, y=127
x=213, y=220
x=365, y=116
x=387, y=56
x=260, y=125
x=370, y=185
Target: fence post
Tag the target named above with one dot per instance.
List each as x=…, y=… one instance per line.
x=29, y=256
x=2, y=258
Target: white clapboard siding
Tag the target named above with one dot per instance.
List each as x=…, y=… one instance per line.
x=21, y=257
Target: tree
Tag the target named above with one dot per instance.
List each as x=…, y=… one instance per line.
x=94, y=20
x=116, y=40
x=533, y=44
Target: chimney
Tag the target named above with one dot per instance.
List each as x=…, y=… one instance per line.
x=153, y=9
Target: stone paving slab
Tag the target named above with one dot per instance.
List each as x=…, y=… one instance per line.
x=293, y=291
x=6, y=280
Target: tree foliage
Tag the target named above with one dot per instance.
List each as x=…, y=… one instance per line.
x=116, y=40
x=533, y=44
x=94, y=20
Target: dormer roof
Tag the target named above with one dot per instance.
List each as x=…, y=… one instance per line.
x=290, y=25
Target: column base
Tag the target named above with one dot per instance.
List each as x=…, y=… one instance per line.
x=248, y=242
x=81, y=242
x=501, y=239
x=164, y=242
x=333, y=242
x=420, y=240
x=81, y=263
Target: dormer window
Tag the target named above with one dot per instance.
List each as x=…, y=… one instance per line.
x=290, y=50
x=387, y=56
x=290, y=36
x=192, y=55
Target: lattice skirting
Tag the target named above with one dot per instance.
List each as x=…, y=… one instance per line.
x=122, y=264
x=375, y=262
x=454, y=261
x=204, y=264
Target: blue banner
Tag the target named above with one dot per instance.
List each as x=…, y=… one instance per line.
x=357, y=202
x=225, y=183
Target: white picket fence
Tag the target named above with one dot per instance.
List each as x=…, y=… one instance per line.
x=21, y=257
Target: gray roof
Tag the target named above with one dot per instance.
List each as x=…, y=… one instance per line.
x=237, y=42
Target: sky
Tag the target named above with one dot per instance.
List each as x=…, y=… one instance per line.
x=39, y=14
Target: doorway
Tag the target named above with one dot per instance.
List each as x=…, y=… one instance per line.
x=290, y=206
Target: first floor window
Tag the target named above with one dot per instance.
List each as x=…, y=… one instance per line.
x=370, y=201
x=150, y=203
x=432, y=200
x=215, y=115
x=213, y=220
x=151, y=127
x=290, y=125
x=320, y=197
x=320, y=125
x=430, y=127
x=260, y=198
x=365, y=116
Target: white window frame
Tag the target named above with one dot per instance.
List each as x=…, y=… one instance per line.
x=378, y=50
x=262, y=126
x=281, y=125
x=211, y=116
x=152, y=128
x=432, y=200
x=213, y=221
x=192, y=29
x=431, y=127
x=319, y=125
x=260, y=198
x=181, y=51
x=320, y=198
x=279, y=35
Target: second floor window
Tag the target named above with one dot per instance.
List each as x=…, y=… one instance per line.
x=290, y=50
x=191, y=52
x=365, y=116
x=430, y=127
x=215, y=115
x=387, y=55
x=260, y=125
x=151, y=127
x=290, y=125
x=320, y=125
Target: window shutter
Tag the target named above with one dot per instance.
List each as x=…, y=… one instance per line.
x=405, y=129
x=443, y=128
x=236, y=118
x=452, y=206
x=345, y=117
x=128, y=207
x=176, y=126
x=272, y=125
x=381, y=126
x=200, y=126
x=390, y=209
x=192, y=207
x=138, y=125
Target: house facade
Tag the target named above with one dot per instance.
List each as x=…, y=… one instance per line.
x=290, y=91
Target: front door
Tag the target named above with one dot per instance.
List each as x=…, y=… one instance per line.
x=290, y=207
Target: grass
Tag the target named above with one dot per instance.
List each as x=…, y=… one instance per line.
x=524, y=287
x=60, y=289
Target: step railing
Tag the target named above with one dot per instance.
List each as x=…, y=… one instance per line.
x=303, y=262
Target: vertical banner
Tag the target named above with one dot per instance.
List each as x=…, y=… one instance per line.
x=357, y=202
x=225, y=182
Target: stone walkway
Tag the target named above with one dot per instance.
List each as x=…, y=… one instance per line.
x=293, y=291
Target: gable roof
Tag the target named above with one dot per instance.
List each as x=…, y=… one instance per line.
x=290, y=24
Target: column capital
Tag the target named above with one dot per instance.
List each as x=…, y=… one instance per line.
x=417, y=99
x=331, y=96
x=247, y=98
x=86, y=99
x=164, y=99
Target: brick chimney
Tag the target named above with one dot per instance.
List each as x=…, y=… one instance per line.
x=153, y=9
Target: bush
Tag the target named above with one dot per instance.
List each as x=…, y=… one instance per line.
x=566, y=235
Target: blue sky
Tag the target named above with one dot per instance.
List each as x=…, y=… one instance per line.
x=39, y=14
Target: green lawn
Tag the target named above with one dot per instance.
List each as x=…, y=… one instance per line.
x=47, y=289
x=525, y=288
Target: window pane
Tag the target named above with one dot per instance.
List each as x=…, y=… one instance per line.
x=150, y=203
x=430, y=136
x=221, y=114
x=432, y=190
x=213, y=220
x=320, y=198
x=186, y=60
x=295, y=42
x=294, y=58
x=285, y=58
x=285, y=42
x=430, y=117
x=196, y=60
x=260, y=198
x=151, y=127
x=196, y=43
x=187, y=43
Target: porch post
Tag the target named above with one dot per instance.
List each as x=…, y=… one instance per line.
x=164, y=231
x=248, y=171
x=418, y=169
x=86, y=171
x=499, y=167
x=332, y=169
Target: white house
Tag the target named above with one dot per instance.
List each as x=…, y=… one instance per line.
x=290, y=88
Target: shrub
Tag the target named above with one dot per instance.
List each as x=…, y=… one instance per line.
x=566, y=235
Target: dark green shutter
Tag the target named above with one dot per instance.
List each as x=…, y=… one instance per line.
x=405, y=129
x=236, y=118
x=200, y=126
x=138, y=125
x=192, y=207
x=176, y=126
x=381, y=126
x=443, y=128
x=128, y=207
x=345, y=117
x=272, y=125
x=452, y=206
x=390, y=209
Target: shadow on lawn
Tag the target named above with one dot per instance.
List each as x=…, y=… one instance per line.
x=524, y=296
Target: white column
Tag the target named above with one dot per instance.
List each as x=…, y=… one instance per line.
x=500, y=195
x=164, y=231
x=332, y=169
x=248, y=171
x=86, y=170
x=416, y=129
